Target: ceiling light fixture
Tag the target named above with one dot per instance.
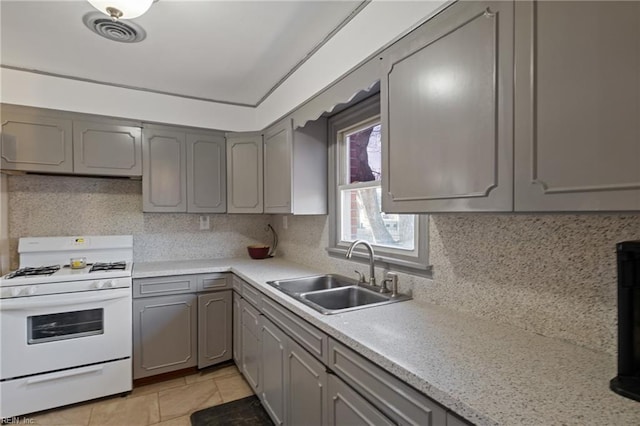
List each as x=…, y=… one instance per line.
x=122, y=9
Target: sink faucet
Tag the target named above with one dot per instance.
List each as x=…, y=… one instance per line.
x=372, y=275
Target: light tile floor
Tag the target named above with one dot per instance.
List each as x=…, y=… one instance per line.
x=168, y=403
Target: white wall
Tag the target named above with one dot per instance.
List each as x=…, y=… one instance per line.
x=379, y=23
x=375, y=26
x=25, y=88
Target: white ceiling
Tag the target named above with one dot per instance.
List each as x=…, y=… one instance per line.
x=225, y=51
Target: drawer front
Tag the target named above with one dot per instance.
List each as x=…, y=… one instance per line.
x=207, y=282
x=237, y=284
x=252, y=295
x=159, y=286
x=395, y=399
x=306, y=335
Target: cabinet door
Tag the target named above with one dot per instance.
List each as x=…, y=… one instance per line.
x=278, y=147
x=306, y=385
x=237, y=330
x=207, y=174
x=273, y=343
x=164, y=334
x=577, y=134
x=244, y=173
x=346, y=407
x=106, y=149
x=446, y=111
x=36, y=143
x=214, y=328
x=164, y=169
x=250, y=356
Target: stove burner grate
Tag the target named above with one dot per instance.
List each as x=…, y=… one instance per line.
x=32, y=271
x=111, y=266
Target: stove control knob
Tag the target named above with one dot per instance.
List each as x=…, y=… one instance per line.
x=99, y=284
x=110, y=284
x=31, y=290
x=15, y=292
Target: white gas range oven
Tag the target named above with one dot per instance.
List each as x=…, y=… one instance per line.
x=65, y=332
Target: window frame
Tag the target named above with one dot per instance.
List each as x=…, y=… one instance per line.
x=385, y=257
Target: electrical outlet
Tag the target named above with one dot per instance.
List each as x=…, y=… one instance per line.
x=285, y=222
x=204, y=223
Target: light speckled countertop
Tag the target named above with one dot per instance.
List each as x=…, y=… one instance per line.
x=486, y=372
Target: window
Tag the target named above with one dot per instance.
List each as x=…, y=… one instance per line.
x=355, y=193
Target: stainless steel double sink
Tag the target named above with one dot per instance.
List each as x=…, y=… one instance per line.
x=332, y=294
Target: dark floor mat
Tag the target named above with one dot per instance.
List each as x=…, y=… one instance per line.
x=243, y=412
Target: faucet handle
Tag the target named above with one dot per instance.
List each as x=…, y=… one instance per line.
x=392, y=278
x=361, y=278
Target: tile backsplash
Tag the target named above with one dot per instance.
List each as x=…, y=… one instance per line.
x=65, y=205
x=552, y=274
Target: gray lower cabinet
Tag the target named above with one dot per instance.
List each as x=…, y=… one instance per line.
x=214, y=328
x=347, y=407
x=178, y=323
x=577, y=138
x=447, y=113
x=306, y=383
x=165, y=335
x=251, y=355
x=237, y=329
x=294, y=383
x=183, y=170
x=304, y=377
x=273, y=344
x=398, y=401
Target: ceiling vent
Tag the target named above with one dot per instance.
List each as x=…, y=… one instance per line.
x=121, y=31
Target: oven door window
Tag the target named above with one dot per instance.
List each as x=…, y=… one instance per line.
x=65, y=325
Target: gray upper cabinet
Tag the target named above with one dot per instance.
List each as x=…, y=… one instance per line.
x=295, y=168
x=446, y=113
x=164, y=172
x=244, y=173
x=577, y=128
x=207, y=174
x=106, y=149
x=214, y=328
x=50, y=141
x=183, y=171
x=278, y=149
x=34, y=142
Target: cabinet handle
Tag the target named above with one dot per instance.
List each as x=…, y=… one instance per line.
x=489, y=14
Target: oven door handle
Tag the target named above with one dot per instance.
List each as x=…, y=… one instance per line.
x=25, y=303
x=64, y=374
